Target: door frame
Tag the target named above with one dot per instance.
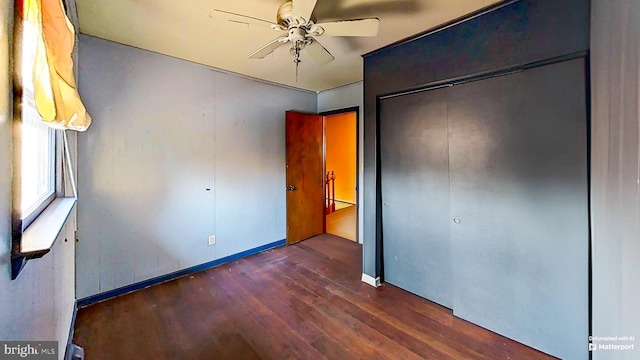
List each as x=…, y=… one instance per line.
x=355, y=109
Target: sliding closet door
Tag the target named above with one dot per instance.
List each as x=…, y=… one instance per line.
x=415, y=188
x=519, y=206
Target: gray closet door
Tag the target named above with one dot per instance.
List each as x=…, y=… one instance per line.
x=415, y=188
x=518, y=162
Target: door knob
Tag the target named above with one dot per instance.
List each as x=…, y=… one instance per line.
x=290, y=188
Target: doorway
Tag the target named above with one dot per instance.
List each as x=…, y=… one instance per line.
x=341, y=175
x=321, y=196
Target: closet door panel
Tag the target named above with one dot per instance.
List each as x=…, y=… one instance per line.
x=415, y=194
x=519, y=197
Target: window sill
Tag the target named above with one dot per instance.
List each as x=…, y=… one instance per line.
x=39, y=237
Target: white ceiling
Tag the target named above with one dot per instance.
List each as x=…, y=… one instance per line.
x=183, y=29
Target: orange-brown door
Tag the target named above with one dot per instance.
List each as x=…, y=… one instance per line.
x=305, y=176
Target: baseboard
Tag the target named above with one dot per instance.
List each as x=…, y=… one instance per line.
x=375, y=282
x=174, y=275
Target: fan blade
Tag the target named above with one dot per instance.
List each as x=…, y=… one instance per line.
x=356, y=27
x=237, y=18
x=268, y=49
x=318, y=52
x=303, y=8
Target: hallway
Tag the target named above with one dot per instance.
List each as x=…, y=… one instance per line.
x=343, y=223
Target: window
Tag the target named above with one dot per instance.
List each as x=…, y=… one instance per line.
x=37, y=160
x=37, y=164
x=46, y=86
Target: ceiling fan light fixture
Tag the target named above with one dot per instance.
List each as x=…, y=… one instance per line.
x=294, y=19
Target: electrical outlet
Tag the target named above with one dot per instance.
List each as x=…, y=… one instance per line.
x=212, y=240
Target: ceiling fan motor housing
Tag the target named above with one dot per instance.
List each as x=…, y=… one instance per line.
x=297, y=34
x=301, y=28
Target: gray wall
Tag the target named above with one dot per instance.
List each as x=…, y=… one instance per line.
x=38, y=305
x=341, y=98
x=164, y=131
x=615, y=173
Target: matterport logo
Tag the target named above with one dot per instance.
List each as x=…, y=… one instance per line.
x=41, y=350
x=612, y=343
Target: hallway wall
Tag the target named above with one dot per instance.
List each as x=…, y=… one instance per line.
x=340, y=154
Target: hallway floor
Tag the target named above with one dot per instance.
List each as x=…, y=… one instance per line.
x=343, y=223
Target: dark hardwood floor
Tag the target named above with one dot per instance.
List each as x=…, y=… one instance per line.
x=304, y=301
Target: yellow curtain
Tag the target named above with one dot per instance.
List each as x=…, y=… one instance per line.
x=55, y=90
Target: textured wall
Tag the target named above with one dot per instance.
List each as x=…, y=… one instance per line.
x=38, y=305
x=615, y=174
x=166, y=130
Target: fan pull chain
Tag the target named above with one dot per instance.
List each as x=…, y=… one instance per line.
x=296, y=59
x=297, y=62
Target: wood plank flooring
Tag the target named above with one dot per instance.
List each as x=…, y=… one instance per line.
x=343, y=223
x=304, y=301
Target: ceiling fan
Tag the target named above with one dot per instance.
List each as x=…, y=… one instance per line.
x=297, y=26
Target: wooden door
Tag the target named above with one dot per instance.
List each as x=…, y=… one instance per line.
x=305, y=176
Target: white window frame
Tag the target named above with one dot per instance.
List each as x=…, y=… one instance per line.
x=38, y=207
